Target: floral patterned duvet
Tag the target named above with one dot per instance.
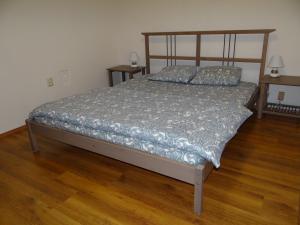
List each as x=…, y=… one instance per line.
x=186, y=123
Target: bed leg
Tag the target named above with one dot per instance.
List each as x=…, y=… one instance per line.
x=32, y=138
x=198, y=186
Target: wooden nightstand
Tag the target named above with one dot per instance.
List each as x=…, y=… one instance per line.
x=124, y=69
x=277, y=109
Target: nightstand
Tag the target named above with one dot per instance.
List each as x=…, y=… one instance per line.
x=124, y=69
x=277, y=109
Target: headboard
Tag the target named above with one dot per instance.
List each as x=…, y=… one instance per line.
x=229, y=48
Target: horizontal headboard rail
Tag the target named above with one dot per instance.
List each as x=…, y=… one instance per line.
x=246, y=60
x=229, y=47
x=210, y=32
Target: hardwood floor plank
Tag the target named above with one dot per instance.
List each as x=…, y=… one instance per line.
x=10, y=216
x=34, y=175
x=275, y=176
x=29, y=208
x=17, y=185
x=86, y=213
x=233, y=193
x=115, y=203
x=268, y=189
x=280, y=213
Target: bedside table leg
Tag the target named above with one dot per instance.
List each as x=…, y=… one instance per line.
x=261, y=100
x=110, y=78
x=130, y=75
x=123, y=76
x=143, y=71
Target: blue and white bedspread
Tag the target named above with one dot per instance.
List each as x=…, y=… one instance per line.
x=186, y=123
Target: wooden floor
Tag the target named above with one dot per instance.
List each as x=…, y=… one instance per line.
x=258, y=183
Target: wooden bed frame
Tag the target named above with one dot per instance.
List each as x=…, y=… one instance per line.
x=188, y=173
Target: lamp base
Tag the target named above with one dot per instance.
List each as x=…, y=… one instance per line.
x=274, y=73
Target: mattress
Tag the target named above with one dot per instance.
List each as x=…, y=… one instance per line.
x=186, y=123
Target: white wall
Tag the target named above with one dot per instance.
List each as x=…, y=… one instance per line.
x=177, y=15
x=40, y=38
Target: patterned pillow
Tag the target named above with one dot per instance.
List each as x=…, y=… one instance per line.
x=218, y=75
x=178, y=74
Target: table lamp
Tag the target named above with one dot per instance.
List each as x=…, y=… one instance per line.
x=133, y=58
x=275, y=63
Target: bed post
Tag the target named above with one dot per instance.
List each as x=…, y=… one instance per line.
x=147, y=54
x=263, y=57
x=261, y=98
x=198, y=187
x=198, y=49
x=32, y=138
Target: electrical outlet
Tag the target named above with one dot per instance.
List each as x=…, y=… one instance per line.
x=50, y=82
x=280, y=96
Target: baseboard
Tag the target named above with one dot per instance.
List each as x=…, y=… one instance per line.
x=19, y=129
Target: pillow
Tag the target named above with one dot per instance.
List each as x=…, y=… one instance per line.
x=178, y=74
x=218, y=75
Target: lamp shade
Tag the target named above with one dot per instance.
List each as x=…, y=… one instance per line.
x=276, y=62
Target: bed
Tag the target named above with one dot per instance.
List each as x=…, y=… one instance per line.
x=178, y=130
